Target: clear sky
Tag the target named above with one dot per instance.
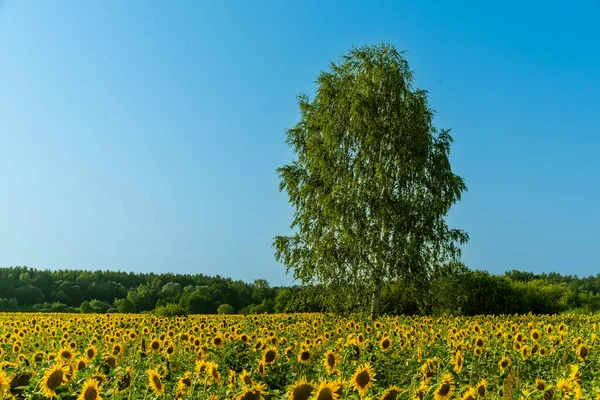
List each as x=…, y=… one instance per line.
x=144, y=135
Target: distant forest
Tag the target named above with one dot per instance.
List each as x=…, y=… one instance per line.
x=452, y=289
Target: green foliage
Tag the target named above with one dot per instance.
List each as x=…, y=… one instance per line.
x=371, y=182
x=126, y=307
x=451, y=289
x=225, y=309
x=170, y=310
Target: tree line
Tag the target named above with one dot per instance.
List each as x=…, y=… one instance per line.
x=451, y=289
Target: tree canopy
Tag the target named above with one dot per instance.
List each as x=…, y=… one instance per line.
x=371, y=182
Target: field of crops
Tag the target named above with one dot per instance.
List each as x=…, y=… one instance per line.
x=309, y=356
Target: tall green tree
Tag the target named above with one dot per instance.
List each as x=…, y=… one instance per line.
x=371, y=182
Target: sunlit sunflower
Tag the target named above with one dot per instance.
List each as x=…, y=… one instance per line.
x=330, y=361
x=385, y=343
x=66, y=354
x=327, y=391
x=252, y=393
x=217, y=341
x=582, y=352
x=90, y=391
x=4, y=383
x=301, y=390
x=304, y=356
x=269, y=356
x=459, y=361
x=261, y=369
x=469, y=394
x=91, y=352
x=184, y=383
x=564, y=385
x=504, y=363
x=482, y=388
x=421, y=390
x=155, y=345
x=53, y=378
x=99, y=377
x=445, y=388
x=155, y=382
x=245, y=378
x=80, y=364
x=363, y=379
x=391, y=394
x=575, y=375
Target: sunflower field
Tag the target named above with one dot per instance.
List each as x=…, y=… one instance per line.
x=298, y=357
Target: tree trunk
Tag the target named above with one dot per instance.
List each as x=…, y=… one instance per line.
x=375, y=299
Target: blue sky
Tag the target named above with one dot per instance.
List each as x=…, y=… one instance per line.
x=144, y=135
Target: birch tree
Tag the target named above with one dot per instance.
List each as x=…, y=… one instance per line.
x=371, y=182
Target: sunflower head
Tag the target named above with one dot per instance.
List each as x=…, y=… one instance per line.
x=90, y=391
x=327, y=391
x=155, y=382
x=445, y=388
x=363, y=379
x=53, y=378
x=391, y=394
x=330, y=361
x=301, y=390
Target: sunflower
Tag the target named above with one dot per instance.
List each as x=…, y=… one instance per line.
x=479, y=342
x=540, y=384
x=363, y=379
x=184, y=383
x=53, y=378
x=261, y=369
x=327, y=391
x=155, y=345
x=246, y=379
x=421, y=390
x=301, y=390
x=385, y=343
x=80, y=364
x=575, y=375
x=564, y=385
x=504, y=363
x=66, y=354
x=459, y=361
x=124, y=381
x=231, y=379
x=155, y=382
x=304, y=356
x=482, y=388
x=99, y=377
x=253, y=393
x=18, y=384
x=391, y=394
x=582, y=352
x=90, y=391
x=37, y=358
x=117, y=350
x=4, y=383
x=469, y=394
x=91, y=352
x=213, y=373
x=269, y=356
x=445, y=388
x=330, y=361
x=217, y=341
x=535, y=335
